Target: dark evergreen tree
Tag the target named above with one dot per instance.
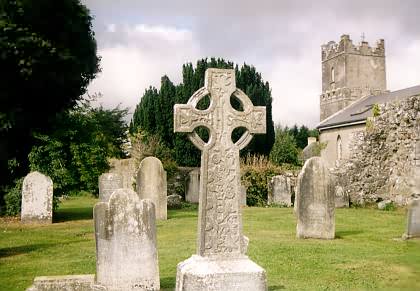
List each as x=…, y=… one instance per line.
x=160, y=109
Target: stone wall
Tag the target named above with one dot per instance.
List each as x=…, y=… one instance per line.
x=382, y=163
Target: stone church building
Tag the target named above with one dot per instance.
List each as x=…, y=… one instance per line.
x=356, y=108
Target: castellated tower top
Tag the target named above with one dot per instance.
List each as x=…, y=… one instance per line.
x=350, y=72
x=333, y=49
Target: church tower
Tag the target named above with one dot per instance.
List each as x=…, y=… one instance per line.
x=350, y=72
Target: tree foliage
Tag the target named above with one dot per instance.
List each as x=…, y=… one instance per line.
x=301, y=134
x=47, y=59
x=284, y=150
x=76, y=152
x=154, y=113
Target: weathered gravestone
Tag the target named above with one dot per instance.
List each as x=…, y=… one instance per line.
x=108, y=183
x=413, y=219
x=342, y=199
x=193, y=186
x=315, y=203
x=242, y=200
x=37, y=198
x=126, y=253
x=220, y=263
x=280, y=191
x=151, y=184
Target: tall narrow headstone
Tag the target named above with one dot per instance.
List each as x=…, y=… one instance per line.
x=108, y=183
x=280, y=191
x=315, y=203
x=151, y=184
x=37, y=199
x=126, y=249
x=342, y=199
x=243, y=195
x=413, y=219
x=220, y=263
x=193, y=186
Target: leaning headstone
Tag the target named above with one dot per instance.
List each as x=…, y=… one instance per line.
x=315, y=203
x=108, y=183
x=151, y=184
x=220, y=263
x=193, y=186
x=280, y=191
x=37, y=198
x=126, y=253
x=413, y=219
x=342, y=199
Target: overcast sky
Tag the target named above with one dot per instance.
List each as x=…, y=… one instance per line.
x=139, y=41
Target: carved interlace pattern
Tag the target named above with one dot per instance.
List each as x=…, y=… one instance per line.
x=220, y=226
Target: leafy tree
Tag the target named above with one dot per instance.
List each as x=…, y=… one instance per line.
x=48, y=57
x=284, y=149
x=154, y=113
x=76, y=152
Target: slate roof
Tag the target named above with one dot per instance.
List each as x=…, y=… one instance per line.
x=360, y=110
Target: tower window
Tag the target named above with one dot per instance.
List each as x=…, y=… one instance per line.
x=332, y=75
x=339, y=148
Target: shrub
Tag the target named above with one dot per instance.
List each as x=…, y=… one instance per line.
x=256, y=172
x=12, y=199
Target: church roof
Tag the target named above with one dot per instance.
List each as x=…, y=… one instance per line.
x=360, y=110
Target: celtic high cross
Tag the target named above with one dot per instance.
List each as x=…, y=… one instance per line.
x=220, y=221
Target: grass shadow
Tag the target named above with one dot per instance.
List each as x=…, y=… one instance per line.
x=345, y=233
x=72, y=214
x=276, y=287
x=167, y=283
x=19, y=250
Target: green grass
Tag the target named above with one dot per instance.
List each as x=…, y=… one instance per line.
x=367, y=253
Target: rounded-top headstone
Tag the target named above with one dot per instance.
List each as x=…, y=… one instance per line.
x=315, y=201
x=151, y=184
x=37, y=198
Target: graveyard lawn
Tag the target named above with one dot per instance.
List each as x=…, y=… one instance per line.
x=367, y=253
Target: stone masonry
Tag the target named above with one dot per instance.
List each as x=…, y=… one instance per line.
x=383, y=159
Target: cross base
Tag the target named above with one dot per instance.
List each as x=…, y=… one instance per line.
x=203, y=273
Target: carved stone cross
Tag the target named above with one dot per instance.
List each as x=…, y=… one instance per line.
x=220, y=221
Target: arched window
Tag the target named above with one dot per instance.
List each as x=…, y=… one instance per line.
x=332, y=75
x=339, y=148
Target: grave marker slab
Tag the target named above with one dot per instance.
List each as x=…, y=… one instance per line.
x=151, y=184
x=315, y=202
x=37, y=199
x=108, y=183
x=413, y=219
x=193, y=186
x=220, y=263
x=280, y=191
x=126, y=253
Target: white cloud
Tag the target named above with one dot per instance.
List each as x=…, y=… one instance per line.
x=139, y=60
x=403, y=66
